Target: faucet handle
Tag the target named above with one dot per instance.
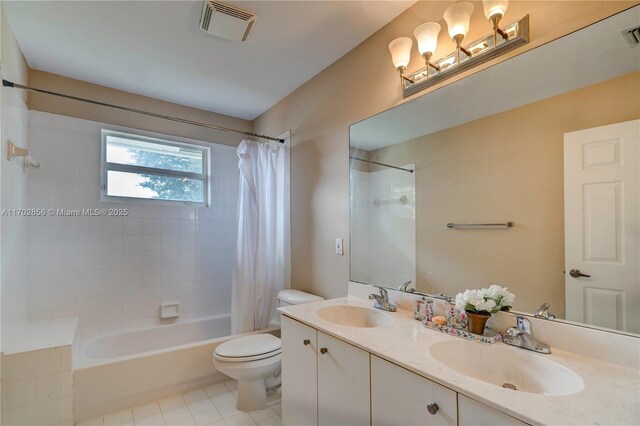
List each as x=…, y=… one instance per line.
x=383, y=293
x=524, y=324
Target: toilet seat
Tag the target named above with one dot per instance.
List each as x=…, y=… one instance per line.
x=248, y=348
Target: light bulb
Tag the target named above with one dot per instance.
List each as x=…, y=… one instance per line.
x=495, y=7
x=457, y=17
x=400, y=49
x=427, y=36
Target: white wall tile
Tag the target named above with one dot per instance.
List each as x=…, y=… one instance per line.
x=113, y=271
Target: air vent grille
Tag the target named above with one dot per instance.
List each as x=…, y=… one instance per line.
x=632, y=36
x=232, y=11
x=225, y=21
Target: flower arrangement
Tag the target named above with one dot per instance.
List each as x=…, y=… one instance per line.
x=481, y=303
x=485, y=301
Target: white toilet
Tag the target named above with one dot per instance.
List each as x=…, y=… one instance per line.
x=254, y=361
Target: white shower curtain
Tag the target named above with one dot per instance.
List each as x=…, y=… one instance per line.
x=259, y=259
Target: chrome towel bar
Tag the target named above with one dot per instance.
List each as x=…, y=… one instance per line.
x=481, y=225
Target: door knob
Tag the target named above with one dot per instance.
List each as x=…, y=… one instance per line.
x=323, y=351
x=575, y=273
x=433, y=408
x=306, y=341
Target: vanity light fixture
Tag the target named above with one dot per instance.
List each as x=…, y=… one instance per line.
x=458, y=18
x=400, y=49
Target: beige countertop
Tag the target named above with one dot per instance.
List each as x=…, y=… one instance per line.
x=611, y=395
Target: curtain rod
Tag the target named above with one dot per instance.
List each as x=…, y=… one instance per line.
x=382, y=164
x=7, y=83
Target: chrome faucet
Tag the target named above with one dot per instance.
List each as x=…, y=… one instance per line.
x=543, y=312
x=405, y=287
x=382, y=301
x=521, y=336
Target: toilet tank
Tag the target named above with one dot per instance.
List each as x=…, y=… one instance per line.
x=296, y=297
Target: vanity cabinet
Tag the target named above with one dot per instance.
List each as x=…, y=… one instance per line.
x=401, y=397
x=474, y=413
x=324, y=380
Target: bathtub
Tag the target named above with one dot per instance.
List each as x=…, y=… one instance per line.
x=122, y=369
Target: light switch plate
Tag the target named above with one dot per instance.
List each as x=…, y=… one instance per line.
x=339, y=250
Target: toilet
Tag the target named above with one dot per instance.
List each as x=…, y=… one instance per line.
x=254, y=360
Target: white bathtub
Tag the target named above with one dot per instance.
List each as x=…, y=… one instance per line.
x=118, y=370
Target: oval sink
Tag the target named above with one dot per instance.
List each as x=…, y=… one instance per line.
x=354, y=316
x=508, y=367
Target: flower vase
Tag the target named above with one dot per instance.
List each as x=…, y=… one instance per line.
x=477, y=322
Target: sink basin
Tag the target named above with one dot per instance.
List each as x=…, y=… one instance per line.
x=354, y=316
x=506, y=366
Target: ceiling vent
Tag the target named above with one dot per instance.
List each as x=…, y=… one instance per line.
x=225, y=21
x=632, y=36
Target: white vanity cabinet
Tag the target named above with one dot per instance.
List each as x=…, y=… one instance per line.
x=324, y=380
x=474, y=413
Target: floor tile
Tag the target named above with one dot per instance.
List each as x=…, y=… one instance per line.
x=157, y=420
x=194, y=396
x=216, y=389
x=227, y=410
x=240, y=419
x=173, y=408
x=277, y=408
x=258, y=416
x=148, y=410
x=231, y=385
x=119, y=418
x=206, y=417
x=223, y=399
x=271, y=421
x=185, y=421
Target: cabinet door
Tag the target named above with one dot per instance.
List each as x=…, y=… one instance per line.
x=299, y=373
x=474, y=413
x=343, y=383
x=400, y=397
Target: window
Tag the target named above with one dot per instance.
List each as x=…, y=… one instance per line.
x=140, y=167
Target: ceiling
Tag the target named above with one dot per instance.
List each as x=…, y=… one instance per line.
x=586, y=57
x=156, y=49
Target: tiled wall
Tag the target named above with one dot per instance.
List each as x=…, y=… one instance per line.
x=37, y=387
x=383, y=244
x=115, y=271
x=14, y=187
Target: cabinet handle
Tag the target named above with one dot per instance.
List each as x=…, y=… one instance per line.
x=306, y=341
x=433, y=408
x=324, y=350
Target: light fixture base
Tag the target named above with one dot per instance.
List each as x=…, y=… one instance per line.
x=481, y=50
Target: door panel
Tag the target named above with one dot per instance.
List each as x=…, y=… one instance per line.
x=602, y=225
x=299, y=374
x=343, y=383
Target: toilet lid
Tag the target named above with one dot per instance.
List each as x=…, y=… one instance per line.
x=249, y=346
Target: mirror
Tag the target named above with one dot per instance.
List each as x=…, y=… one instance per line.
x=547, y=140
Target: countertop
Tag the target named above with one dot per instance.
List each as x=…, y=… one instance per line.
x=611, y=394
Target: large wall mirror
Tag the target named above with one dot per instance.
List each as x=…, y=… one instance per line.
x=540, y=154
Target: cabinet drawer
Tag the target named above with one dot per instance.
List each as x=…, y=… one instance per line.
x=474, y=413
x=400, y=397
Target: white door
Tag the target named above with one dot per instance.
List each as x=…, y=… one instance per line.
x=602, y=225
x=474, y=413
x=299, y=373
x=343, y=383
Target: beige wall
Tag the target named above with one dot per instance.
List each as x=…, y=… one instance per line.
x=360, y=84
x=505, y=167
x=56, y=105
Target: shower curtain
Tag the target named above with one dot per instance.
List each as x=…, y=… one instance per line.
x=259, y=257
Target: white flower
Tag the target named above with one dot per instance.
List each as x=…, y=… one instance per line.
x=486, y=300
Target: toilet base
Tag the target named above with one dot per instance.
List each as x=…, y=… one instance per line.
x=252, y=395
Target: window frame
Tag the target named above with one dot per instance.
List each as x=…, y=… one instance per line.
x=106, y=166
